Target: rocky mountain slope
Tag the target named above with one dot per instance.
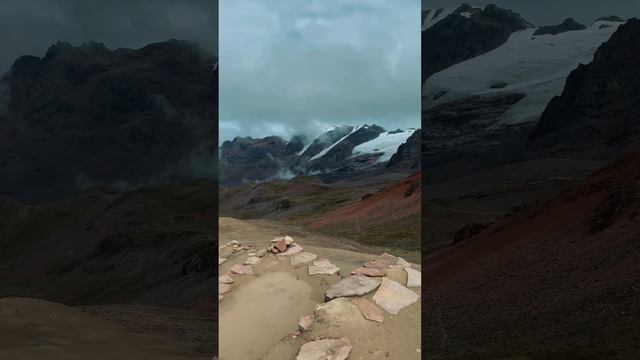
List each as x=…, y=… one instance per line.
x=482, y=110
x=596, y=116
x=572, y=260
x=338, y=153
x=144, y=115
x=388, y=216
x=476, y=31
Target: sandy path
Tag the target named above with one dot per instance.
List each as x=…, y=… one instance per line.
x=262, y=310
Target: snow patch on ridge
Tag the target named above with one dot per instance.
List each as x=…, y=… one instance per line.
x=534, y=65
x=386, y=143
x=325, y=151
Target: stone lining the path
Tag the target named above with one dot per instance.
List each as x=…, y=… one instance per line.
x=393, y=297
x=355, y=285
x=322, y=267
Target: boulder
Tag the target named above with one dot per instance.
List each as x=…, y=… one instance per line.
x=393, y=297
x=356, y=285
x=369, y=310
x=325, y=349
x=302, y=258
x=322, y=267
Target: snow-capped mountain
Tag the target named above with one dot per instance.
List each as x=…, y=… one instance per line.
x=534, y=65
x=343, y=149
x=484, y=95
x=450, y=36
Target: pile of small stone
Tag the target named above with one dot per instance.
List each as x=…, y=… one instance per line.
x=284, y=246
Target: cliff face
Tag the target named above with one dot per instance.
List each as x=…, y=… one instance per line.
x=597, y=110
x=89, y=115
x=466, y=33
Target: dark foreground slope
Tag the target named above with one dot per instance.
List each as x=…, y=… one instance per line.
x=144, y=258
x=559, y=280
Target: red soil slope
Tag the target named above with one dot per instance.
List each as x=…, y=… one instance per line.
x=560, y=280
x=395, y=206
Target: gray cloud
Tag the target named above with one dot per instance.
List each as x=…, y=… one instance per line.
x=29, y=27
x=292, y=66
x=548, y=12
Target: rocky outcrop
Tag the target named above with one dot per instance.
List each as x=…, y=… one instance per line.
x=144, y=116
x=567, y=25
x=340, y=152
x=247, y=159
x=408, y=155
x=596, y=114
x=465, y=34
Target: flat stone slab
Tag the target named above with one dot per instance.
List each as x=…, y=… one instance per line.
x=223, y=288
x=356, y=285
x=260, y=253
x=369, y=310
x=291, y=250
x=225, y=279
x=402, y=263
x=414, y=278
x=221, y=260
x=305, y=322
x=242, y=269
x=302, y=258
x=322, y=267
x=252, y=260
x=394, y=297
x=326, y=349
x=378, y=264
x=372, y=272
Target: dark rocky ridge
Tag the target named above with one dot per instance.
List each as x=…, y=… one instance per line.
x=408, y=154
x=597, y=113
x=343, y=150
x=457, y=38
x=247, y=160
x=87, y=115
x=567, y=25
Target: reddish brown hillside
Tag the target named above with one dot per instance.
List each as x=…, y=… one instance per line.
x=390, y=211
x=559, y=280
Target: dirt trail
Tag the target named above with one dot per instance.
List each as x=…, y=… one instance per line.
x=260, y=313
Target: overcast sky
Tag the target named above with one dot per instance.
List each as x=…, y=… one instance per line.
x=293, y=66
x=549, y=12
x=29, y=27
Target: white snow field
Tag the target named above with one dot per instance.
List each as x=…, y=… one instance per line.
x=386, y=143
x=534, y=65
